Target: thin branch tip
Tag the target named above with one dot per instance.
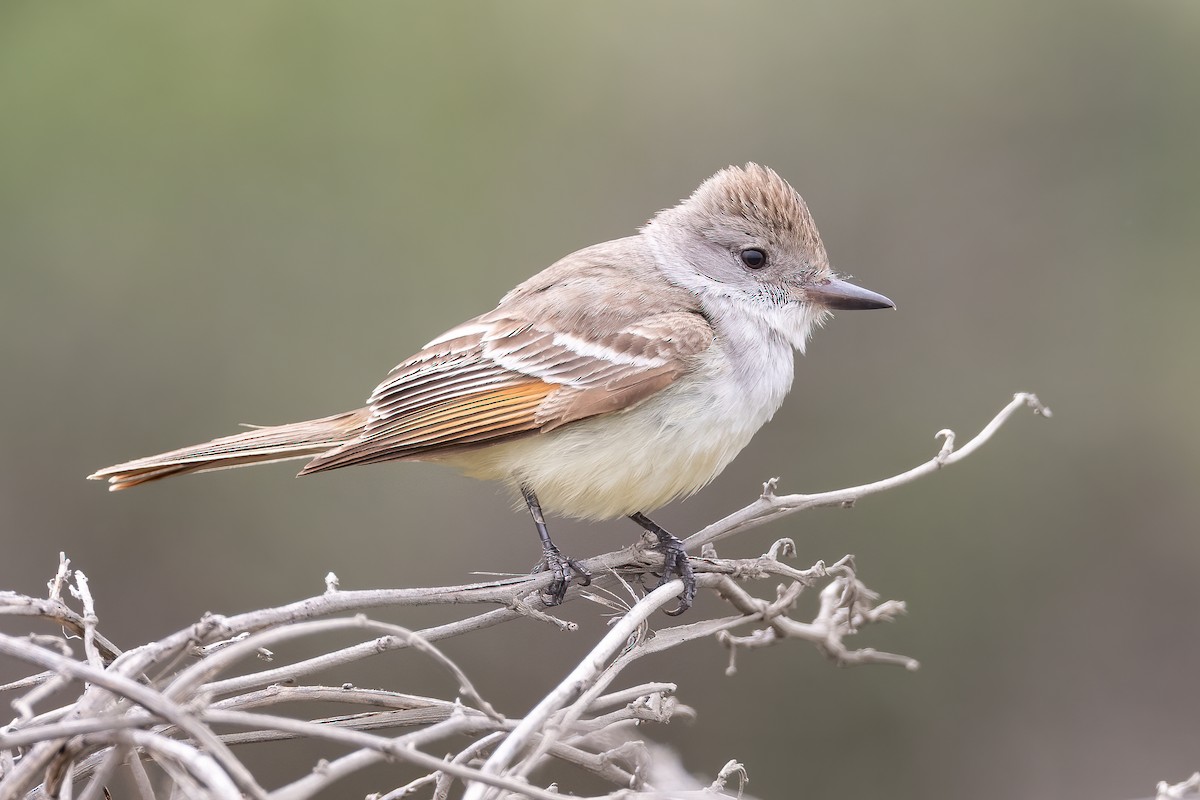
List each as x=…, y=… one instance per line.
x=1185, y=790
x=785, y=548
x=769, y=487
x=1030, y=399
x=947, y=437
x=732, y=767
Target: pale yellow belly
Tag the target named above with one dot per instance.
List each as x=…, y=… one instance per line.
x=616, y=465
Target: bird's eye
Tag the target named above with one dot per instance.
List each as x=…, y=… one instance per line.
x=754, y=258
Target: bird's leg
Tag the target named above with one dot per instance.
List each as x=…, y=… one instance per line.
x=676, y=562
x=564, y=569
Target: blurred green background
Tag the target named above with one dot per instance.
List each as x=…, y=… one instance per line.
x=223, y=213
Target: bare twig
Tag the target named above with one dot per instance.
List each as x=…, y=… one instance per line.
x=82, y=591
x=160, y=701
x=154, y=702
x=1184, y=790
x=579, y=678
x=771, y=506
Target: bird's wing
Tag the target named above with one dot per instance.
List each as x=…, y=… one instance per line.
x=500, y=375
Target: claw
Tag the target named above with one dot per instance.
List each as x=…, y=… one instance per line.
x=677, y=564
x=565, y=571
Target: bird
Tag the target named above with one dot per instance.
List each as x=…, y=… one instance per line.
x=624, y=376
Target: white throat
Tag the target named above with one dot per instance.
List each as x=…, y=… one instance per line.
x=734, y=312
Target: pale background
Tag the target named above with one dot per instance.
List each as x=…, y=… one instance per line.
x=249, y=212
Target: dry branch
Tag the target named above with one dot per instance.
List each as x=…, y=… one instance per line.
x=1184, y=790
x=157, y=704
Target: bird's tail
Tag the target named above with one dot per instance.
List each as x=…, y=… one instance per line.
x=257, y=446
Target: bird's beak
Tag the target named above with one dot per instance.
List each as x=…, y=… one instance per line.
x=837, y=294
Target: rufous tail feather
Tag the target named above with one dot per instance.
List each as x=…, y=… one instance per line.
x=257, y=446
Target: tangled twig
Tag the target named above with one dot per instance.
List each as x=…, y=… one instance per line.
x=153, y=709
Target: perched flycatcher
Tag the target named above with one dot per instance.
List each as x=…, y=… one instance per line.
x=624, y=376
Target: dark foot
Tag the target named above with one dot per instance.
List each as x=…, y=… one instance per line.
x=675, y=564
x=565, y=570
